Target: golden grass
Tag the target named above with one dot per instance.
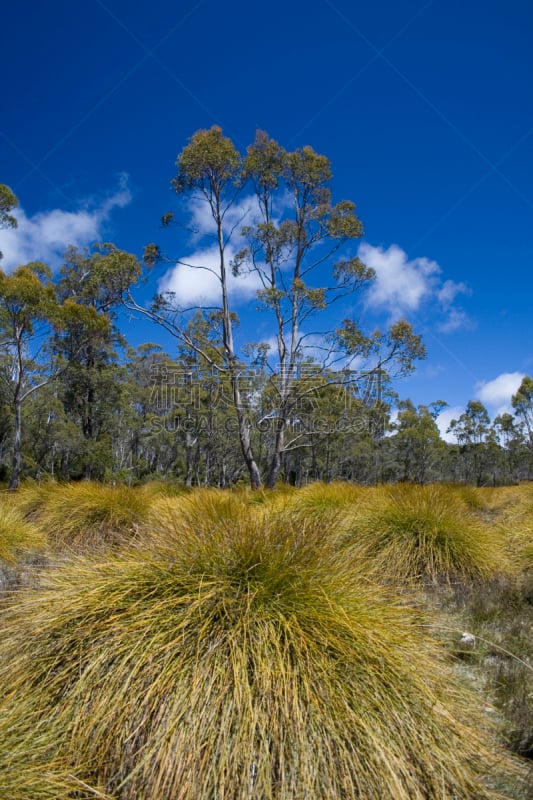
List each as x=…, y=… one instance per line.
x=426, y=534
x=241, y=657
x=29, y=770
x=333, y=505
x=321, y=496
x=18, y=537
x=518, y=536
x=86, y=515
x=514, y=523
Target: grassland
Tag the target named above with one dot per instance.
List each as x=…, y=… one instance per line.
x=330, y=642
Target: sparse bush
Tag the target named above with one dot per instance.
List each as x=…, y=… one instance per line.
x=241, y=656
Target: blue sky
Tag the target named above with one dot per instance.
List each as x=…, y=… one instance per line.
x=424, y=108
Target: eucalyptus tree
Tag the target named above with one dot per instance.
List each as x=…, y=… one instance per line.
x=522, y=403
x=29, y=313
x=93, y=280
x=210, y=168
x=509, y=435
x=417, y=444
x=273, y=220
x=27, y=303
x=472, y=430
x=8, y=201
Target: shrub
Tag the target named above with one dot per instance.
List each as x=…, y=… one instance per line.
x=240, y=656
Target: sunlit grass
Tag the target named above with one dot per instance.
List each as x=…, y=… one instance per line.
x=241, y=655
x=18, y=537
x=426, y=534
x=318, y=497
x=332, y=505
x=29, y=770
x=33, y=496
x=86, y=515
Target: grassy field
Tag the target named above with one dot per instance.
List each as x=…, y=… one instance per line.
x=329, y=642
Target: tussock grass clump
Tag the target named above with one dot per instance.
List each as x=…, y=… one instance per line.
x=205, y=507
x=87, y=515
x=426, y=533
x=30, y=498
x=241, y=657
x=518, y=538
x=318, y=497
x=332, y=505
x=30, y=771
x=18, y=537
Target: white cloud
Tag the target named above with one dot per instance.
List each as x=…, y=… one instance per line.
x=402, y=286
x=498, y=392
x=196, y=281
x=241, y=213
x=444, y=419
x=449, y=291
x=456, y=319
x=46, y=235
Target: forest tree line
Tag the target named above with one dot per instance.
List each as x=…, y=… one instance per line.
x=78, y=401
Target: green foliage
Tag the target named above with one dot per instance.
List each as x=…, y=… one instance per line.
x=233, y=653
x=419, y=448
x=523, y=404
x=26, y=296
x=8, y=201
x=98, y=278
x=210, y=161
x=473, y=425
x=90, y=287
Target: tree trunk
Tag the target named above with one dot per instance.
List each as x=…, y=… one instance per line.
x=247, y=451
x=275, y=463
x=17, y=442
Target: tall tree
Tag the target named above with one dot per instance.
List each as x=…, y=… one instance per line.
x=418, y=446
x=27, y=302
x=210, y=167
x=8, y=201
x=472, y=430
x=288, y=234
x=289, y=242
x=94, y=281
x=522, y=403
